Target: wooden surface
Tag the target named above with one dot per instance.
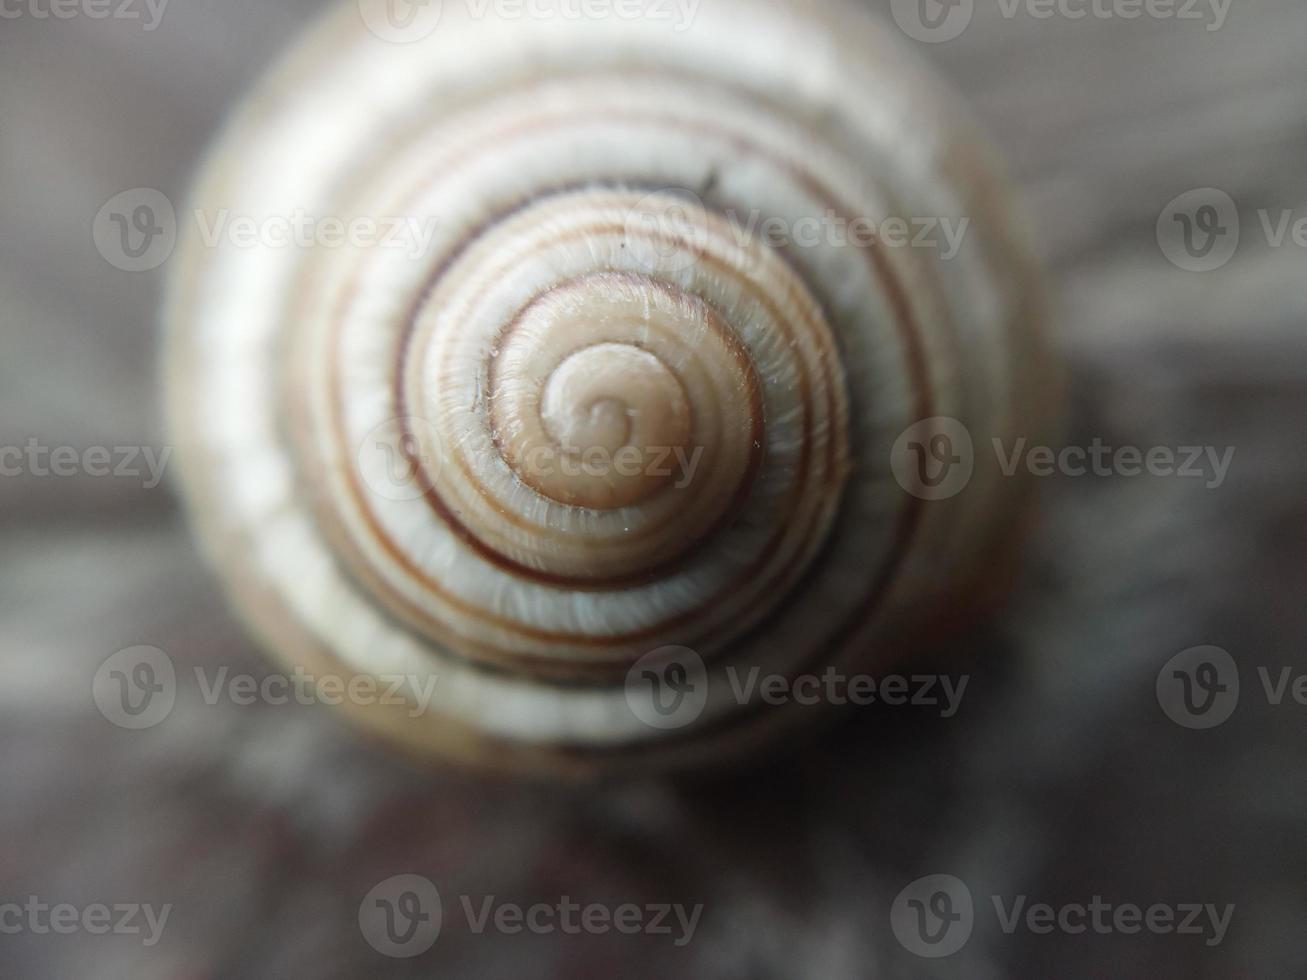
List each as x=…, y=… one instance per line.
x=1060, y=778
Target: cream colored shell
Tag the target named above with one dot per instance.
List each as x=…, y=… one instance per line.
x=572, y=408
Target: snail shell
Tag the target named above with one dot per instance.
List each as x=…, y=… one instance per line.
x=589, y=423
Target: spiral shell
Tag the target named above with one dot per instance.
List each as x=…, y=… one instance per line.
x=571, y=413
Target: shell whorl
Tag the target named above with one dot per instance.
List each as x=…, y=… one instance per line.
x=579, y=388
x=582, y=410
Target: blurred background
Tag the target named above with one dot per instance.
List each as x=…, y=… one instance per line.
x=1063, y=776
